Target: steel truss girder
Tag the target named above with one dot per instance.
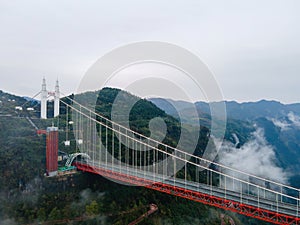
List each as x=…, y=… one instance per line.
x=241, y=208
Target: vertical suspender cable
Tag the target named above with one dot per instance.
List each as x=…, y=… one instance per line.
x=106, y=144
x=113, y=148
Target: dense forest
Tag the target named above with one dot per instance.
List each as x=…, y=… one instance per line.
x=279, y=122
x=28, y=197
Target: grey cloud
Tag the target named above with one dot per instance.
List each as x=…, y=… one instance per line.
x=243, y=44
x=255, y=157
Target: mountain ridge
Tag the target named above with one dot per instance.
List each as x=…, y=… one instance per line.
x=251, y=110
x=280, y=122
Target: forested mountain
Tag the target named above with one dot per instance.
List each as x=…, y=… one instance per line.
x=28, y=197
x=239, y=111
x=280, y=124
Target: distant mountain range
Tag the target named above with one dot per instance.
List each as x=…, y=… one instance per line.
x=280, y=123
x=30, y=99
x=19, y=143
x=235, y=110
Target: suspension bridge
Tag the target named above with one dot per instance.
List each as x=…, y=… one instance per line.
x=118, y=153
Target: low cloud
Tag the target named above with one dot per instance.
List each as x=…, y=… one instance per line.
x=295, y=119
x=255, y=157
x=290, y=121
x=282, y=124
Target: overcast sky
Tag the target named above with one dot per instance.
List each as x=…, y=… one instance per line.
x=252, y=46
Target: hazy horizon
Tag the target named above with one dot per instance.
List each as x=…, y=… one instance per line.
x=251, y=47
x=152, y=97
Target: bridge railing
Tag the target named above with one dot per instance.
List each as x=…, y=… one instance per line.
x=117, y=147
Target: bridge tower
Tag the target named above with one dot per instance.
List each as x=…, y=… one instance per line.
x=52, y=151
x=56, y=100
x=44, y=95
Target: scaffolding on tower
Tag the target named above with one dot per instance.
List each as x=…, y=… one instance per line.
x=52, y=151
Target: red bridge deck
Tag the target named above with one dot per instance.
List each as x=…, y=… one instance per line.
x=244, y=209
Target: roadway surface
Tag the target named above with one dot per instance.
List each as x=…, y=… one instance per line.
x=244, y=198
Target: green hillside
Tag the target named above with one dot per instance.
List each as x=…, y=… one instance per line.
x=280, y=123
x=28, y=197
